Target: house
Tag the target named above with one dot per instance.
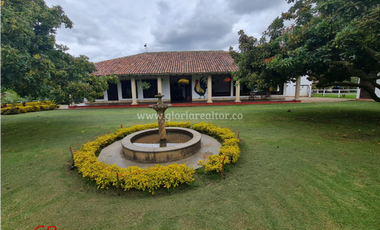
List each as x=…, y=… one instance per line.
x=209, y=74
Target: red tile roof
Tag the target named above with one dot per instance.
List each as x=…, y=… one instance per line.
x=180, y=62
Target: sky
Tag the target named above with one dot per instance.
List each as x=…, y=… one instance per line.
x=108, y=29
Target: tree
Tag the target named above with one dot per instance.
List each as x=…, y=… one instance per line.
x=329, y=40
x=33, y=64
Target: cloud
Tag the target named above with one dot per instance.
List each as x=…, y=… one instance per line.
x=203, y=28
x=110, y=29
x=249, y=6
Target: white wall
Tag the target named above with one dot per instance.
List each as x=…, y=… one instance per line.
x=290, y=88
x=165, y=86
x=197, y=77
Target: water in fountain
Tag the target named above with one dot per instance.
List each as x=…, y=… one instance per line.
x=155, y=146
x=153, y=140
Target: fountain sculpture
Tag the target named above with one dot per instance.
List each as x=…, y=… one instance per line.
x=162, y=144
x=160, y=109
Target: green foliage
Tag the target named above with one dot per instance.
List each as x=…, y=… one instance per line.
x=145, y=85
x=10, y=97
x=330, y=41
x=324, y=175
x=26, y=107
x=229, y=152
x=33, y=65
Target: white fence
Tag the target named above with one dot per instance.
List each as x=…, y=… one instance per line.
x=339, y=92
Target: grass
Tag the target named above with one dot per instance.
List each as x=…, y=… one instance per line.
x=316, y=167
x=335, y=95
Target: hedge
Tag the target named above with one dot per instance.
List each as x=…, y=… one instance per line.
x=150, y=179
x=27, y=107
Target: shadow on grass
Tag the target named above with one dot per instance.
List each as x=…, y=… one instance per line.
x=337, y=116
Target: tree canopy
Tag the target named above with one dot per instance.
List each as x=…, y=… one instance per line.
x=328, y=40
x=33, y=65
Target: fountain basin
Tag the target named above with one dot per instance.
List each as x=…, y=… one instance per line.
x=161, y=154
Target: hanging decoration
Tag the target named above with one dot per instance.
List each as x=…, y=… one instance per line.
x=227, y=79
x=183, y=81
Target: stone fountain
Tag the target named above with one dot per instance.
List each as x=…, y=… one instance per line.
x=162, y=144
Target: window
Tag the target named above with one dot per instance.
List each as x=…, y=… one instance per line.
x=126, y=89
x=152, y=91
x=221, y=85
x=112, y=92
x=244, y=91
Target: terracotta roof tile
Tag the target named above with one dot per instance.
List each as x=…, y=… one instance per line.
x=179, y=62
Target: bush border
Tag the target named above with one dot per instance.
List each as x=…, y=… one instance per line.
x=152, y=178
x=26, y=107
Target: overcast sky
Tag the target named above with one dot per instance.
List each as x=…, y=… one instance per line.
x=107, y=29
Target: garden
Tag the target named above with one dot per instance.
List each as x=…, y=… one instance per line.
x=301, y=166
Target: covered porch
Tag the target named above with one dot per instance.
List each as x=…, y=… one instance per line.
x=189, y=104
x=207, y=74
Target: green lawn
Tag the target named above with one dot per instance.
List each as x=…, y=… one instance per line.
x=316, y=167
x=335, y=95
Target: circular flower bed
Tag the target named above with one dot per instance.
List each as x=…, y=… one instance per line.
x=156, y=176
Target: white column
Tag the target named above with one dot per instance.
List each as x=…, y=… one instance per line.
x=237, y=86
x=310, y=89
x=105, y=96
x=358, y=90
x=133, y=86
x=209, y=89
x=159, y=85
x=285, y=89
x=298, y=88
x=358, y=93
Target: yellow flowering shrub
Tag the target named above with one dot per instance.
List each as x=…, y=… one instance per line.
x=178, y=124
x=230, y=147
x=27, y=107
x=210, y=129
x=157, y=176
x=132, y=177
x=214, y=163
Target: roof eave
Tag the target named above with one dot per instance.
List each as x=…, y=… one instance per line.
x=167, y=74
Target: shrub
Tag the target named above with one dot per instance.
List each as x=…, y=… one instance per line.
x=132, y=177
x=27, y=107
x=229, y=152
x=156, y=176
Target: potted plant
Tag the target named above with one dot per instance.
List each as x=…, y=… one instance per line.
x=145, y=85
x=183, y=81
